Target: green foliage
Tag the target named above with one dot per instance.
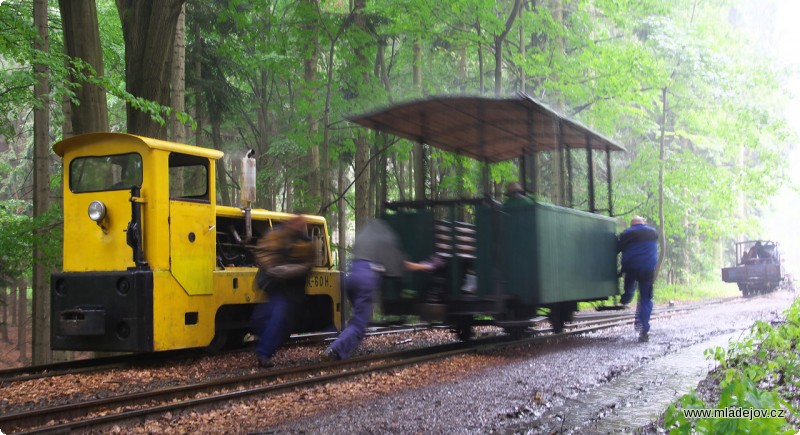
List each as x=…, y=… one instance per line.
x=760, y=371
x=604, y=62
x=19, y=232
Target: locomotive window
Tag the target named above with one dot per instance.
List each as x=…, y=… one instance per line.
x=101, y=173
x=188, y=177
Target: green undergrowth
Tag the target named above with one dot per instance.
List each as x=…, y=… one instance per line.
x=694, y=290
x=666, y=293
x=760, y=372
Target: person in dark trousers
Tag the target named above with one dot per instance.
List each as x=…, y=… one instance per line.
x=285, y=257
x=376, y=253
x=639, y=247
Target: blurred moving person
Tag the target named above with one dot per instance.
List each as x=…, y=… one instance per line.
x=376, y=253
x=639, y=247
x=285, y=257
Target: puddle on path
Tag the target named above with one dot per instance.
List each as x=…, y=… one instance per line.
x=634, y=400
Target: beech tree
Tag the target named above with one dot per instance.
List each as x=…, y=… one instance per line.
x=41, y=190
x=89, y=111
x=148, y=27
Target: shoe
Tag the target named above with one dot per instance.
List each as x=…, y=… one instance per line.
x=265, y=362
x=644, y=337
x=329, y=355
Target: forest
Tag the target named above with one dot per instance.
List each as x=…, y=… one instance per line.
x=683, y=85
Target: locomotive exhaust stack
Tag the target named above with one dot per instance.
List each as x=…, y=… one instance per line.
x=248, y=190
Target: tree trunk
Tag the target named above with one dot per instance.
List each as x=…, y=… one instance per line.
x=178, y=79
x=66, y=126
x=400, y=175
x=522, y=54
x=362, y=182
x=558, y=105
x=222, y=177
x=481, y=84
x=41, y=190
x=265, y=191
x=326, y=130
x=462, y=68
x=310, y=61
x=4, y=321
x=13, y=301
x=198, y=92
x=148, y=28
x=342, y=216
x=82, y=41
x=662, y=239
x=498, y=49
x=22, y=324
x=362, y=148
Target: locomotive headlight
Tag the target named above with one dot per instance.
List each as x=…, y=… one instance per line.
x=97, y=211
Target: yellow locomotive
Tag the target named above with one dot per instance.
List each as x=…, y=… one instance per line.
x=152, y=263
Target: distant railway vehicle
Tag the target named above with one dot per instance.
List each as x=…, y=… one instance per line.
x=504, y=264
x=758, y=268
x=152, y=263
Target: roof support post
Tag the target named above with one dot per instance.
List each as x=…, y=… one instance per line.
x=558, y=164
x=481, y=146
x=608, y=178
x=568, y=158
x=418, y=153
x=590, y=174
x=532, y=186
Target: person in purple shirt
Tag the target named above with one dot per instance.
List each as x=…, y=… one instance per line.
x=639, y=247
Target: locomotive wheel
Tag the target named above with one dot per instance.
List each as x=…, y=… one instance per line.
x=227, y=339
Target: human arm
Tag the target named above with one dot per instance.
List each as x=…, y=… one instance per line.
x=418, y=267
x=432, y=263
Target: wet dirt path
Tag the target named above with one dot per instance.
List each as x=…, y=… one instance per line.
x=605, y=382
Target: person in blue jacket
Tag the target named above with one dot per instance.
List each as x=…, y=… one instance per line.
x=639, y=247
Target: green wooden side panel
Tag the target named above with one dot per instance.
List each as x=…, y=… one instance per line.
x=488, y=225
x=521, y=253
x=415, y=230
x=577, y=255
x=549, y=254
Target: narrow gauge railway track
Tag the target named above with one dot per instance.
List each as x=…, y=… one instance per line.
x=90, y=365
x=103, y=413
x=20, y=374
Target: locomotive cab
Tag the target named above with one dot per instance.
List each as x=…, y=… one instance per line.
x=144, y=268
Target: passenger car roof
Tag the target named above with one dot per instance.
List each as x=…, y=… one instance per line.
x=487, y=129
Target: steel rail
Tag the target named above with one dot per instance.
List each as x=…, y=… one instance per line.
x=89, y=365
x=116, y=409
